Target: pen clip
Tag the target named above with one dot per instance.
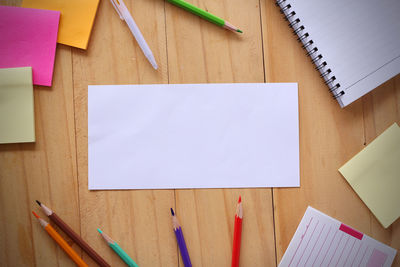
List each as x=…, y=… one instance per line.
x=116, y=5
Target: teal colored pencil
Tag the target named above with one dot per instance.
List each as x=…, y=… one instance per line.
x=122, y=254
x=205, y=15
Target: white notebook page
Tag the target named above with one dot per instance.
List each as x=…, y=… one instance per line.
x=359, y=40
x=193, y=136
x=323, y=241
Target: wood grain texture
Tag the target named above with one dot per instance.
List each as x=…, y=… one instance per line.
x=188, y=50
x=44, y=170
x=139, y=220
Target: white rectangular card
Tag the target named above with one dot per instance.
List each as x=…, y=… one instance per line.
x=193, y=136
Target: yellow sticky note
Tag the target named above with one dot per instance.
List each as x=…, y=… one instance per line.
x=374, y=174
x=76, y=21
x=17, y=120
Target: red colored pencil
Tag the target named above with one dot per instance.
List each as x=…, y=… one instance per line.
x=237, y=234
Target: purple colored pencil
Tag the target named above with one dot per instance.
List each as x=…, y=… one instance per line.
x=181, y=240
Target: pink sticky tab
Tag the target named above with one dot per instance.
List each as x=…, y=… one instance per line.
x=28, y=38
x=351, y=231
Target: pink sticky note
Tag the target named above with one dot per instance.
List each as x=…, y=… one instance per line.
x=28, y=37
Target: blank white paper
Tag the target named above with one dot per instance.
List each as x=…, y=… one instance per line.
x=193, y=136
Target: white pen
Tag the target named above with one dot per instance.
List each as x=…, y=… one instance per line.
x=124, y=14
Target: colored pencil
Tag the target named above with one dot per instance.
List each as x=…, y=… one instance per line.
x=121, y=253
x=181, y=240
x=61, y=242
x=237, y=234
x=74, y=236
x=205, y=15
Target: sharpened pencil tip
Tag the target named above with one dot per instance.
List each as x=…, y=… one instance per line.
x=172, y=212
x=239, y=31
x=98, y=230
x=240, y=199
x=39, y=203
x=34, y=213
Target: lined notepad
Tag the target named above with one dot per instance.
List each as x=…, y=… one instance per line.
x=374, y=174
x=354, y=44
x=323, y=241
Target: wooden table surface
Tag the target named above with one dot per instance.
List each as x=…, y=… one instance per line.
x=54, y=170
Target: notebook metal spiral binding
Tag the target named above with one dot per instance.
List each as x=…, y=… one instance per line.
x=308, y=45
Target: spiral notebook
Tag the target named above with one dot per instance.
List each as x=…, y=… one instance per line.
x=355, y=45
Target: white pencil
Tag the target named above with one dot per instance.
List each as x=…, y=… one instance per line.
x=124, y=14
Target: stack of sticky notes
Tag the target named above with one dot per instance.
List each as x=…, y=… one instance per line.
x=374, y=174
x=17, y=121
x=28, y=40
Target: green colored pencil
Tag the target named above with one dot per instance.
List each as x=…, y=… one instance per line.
x=122, y=254
x=205, y=15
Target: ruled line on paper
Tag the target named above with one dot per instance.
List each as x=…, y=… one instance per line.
x=341, y=254
x=304, y=250
x=340, y=240
x=355, y=257
x=365, y=252
x=349, y=253
x=326, y=238
x=301, y=240
x=316, y=241
x=323, y=259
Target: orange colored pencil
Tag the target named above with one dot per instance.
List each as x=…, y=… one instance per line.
x=61, y=242
x=237, y=234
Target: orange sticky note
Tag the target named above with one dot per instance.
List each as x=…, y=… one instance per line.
x=76, y=21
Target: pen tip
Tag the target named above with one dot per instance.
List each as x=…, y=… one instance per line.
x=172, y=212
x=240, y=199
x=239, y=31
x=34, y=213
x=37, y=201
x=153, y=62
x=98, y=230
